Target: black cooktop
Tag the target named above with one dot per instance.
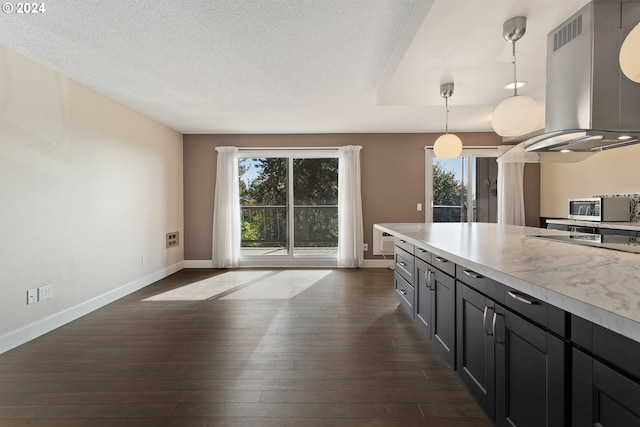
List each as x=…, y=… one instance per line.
x=618, y=243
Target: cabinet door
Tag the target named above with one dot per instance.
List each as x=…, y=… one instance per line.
x=601, y=396
x=443, y=316
x=474, y=345
x=530, y=385
x=424, y=297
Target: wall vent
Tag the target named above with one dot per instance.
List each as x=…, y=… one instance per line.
x=382, y=242
x=567, y=33
x=173, y=239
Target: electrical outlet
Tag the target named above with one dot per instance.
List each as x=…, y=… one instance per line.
x=365, y=247
x=44, y=292
x=32, y=296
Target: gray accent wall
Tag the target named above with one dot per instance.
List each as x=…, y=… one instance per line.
x=392, y=177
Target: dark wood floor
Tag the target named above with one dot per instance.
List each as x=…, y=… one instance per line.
x=195, y=350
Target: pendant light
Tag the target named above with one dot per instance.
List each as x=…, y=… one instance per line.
x=447, y=146
x=630, y=55
x=516, y=115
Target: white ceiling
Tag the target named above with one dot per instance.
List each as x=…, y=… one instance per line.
x=294, y=66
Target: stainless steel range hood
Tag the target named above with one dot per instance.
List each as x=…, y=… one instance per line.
x=590, y=105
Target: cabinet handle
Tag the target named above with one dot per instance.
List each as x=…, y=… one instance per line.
x=403, y=241
x=439, y=258
x=431, y=280
x=493, y=328
x=520, y=298
x=403, y=292
x=472, y=274
x=403, y=264
x=421, y=250
x=484, y=320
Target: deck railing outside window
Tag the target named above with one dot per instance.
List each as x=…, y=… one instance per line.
x=266, y=226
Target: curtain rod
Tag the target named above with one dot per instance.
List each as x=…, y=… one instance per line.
x=287, y=148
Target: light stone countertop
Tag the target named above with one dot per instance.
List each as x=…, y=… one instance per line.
x=599, y=285
x=633, y=226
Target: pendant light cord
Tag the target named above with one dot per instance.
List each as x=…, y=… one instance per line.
x=446, y=119
x=513, y=61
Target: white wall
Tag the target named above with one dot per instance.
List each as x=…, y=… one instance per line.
x=614, y=171
x=87, y=188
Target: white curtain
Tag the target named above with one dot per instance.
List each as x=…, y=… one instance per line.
x=350, y=234
x=510, y=192
x=226, y=210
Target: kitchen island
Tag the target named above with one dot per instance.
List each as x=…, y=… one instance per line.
x=600, y=285
x=543, y=333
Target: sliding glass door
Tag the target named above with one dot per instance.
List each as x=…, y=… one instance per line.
x=462, y=189
x=289, y=204
x=315, y=206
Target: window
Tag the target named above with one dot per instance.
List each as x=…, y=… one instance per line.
x=463, y=189
x=289, y=204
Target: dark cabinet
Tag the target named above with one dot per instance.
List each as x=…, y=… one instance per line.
x=512, y=365
x=404, y=293
x=605, y=377
x=602, y=396
x=530, y=373
x=435, y=308
x=443, y=336
x=475, y=346
x=424, y=298
x=403, y=277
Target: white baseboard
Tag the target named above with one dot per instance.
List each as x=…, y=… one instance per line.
x=198, y=263
x=367, y=263
x=48, y=324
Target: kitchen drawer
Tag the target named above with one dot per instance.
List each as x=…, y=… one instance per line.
x=472, y=279
x=548, y=316
x=443, y=264
x=616, y=349
x=404, y=292
x=404, y=245
x=404, y=264
x=423, y=254
x=526, y=306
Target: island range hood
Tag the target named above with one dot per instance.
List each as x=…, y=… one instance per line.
x=590, y=104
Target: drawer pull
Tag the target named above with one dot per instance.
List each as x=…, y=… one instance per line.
x=402, y=263
x=472, y=274
x=403, y=292
x=421, y=250
x=439, y=258
x=520, y=298
x=403, y=241
x=429, y=276
x=484, y=320
x=493, y=328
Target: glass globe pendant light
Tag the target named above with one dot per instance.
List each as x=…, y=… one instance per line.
x=447, y=146
x=517, y=115
x=630, y=55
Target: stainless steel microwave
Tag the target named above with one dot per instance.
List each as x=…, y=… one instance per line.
x=600, y=209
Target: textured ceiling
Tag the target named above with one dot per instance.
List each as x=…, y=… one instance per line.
x=287, y=66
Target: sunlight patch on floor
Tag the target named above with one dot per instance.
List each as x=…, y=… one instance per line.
x=284, y=285
x=246, y=285
x=209, y=288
